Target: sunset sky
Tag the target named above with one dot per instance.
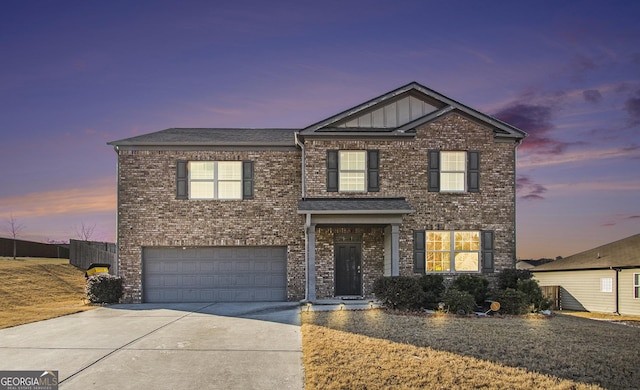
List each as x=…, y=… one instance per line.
x=77, y=74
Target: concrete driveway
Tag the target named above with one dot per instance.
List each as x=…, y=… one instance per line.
x=171, y=346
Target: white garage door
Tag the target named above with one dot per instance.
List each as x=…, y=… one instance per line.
x=215, y=274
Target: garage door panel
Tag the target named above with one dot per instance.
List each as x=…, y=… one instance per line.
x=214, y=274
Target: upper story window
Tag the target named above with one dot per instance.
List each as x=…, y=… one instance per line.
x=218, y=180
x=353, y=171
x=215, y=179
x=453, y=171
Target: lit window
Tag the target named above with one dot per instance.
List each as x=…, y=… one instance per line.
x=352, y=171
x=606, y=285
x=215, y=179
x=636, y=286
x=452, y=251
x=453, y=171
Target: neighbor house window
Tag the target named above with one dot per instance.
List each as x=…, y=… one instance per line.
x=215, y=179
x=636, y=286
x=352, y=171
x=452, y=251
x=453, y=171
x=606, y=285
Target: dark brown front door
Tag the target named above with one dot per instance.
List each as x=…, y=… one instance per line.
x=348, y=273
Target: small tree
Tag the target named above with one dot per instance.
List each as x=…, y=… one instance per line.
x=84, y=232
x=14, y=229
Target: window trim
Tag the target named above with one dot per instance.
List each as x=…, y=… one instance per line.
x=215, y=180
x=452, y=251
x=636, y=285
x=464, y=171
x=606, y=285
x=343, y=171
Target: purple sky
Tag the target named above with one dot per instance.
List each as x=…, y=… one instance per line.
x=76, y=74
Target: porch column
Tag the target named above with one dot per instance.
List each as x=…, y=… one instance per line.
x=395, y=250
x=311, y=264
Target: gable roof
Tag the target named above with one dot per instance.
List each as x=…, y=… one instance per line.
x=429, y=105
x=211, y=137
x=623, y=253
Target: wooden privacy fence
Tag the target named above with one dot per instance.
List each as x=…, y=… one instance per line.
x=553, y=293
x=84, y=253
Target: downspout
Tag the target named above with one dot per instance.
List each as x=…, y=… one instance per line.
x=617, y=271
x=307, y=221
x=117, y=263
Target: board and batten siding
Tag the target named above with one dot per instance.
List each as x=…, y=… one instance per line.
x=627, y=304
x=580, y=290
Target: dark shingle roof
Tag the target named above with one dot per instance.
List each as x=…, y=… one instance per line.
x=354, y=206
x=618, y=254
x=212, y=137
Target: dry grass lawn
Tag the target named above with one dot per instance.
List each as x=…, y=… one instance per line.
x=376, y=349
x=35, y=289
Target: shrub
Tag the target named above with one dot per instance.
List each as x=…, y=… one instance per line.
x=534, y=294
x=104, y=288
x=475, y=285
x=508, y=278
x=459, y=302
x=513, y=301
x=399, y=292
x=432, y=288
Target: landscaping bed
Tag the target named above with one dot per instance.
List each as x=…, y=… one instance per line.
x=378, y=349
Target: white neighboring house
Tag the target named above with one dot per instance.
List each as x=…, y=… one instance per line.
x=605, y=279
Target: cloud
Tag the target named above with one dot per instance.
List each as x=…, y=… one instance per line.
x=632, y=107
x=97, y=196
x=592, y=96
x=535, y=119
x=529, y=189
x=619, y=219
x=578, y=156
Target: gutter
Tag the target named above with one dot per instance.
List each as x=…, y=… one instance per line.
x=617, y=271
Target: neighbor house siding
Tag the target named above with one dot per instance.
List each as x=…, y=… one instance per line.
x=581, y=289
x=403, y=167
x=151, y=216
x=627, y=304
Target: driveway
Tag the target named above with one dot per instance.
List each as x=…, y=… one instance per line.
x=171, y=346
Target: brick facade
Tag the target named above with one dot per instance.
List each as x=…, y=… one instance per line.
x=150, y=215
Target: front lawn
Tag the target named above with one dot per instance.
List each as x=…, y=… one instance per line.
x=35, y=289
x=376, y=349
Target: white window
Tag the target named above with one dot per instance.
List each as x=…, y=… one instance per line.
x=454, y=251
x=453, y=167
x=606, y=285
x=352, y=171
x=636, y=286
x=215, y=179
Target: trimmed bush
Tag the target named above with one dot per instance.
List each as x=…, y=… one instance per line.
x=432, y=288
x=399, y=292
x=534, y=294
x=475, y=285
x=459, y=302
x=509, y=278
x=104, y=288
x=513, y=302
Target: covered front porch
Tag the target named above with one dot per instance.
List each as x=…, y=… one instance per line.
x=349, y=243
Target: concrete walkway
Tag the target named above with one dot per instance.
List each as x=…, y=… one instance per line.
x=179, y=346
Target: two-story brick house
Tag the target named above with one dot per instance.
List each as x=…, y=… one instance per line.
x=408, y=183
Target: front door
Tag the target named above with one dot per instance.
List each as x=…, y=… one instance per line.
x=348, y=272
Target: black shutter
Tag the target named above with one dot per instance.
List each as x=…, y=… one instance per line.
x=247, y=180
x=487, y=251
x=373, y=171
x=473, y=171
x=419, y=248
x=433, y=171
x=332, y=171
x=182, y=180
